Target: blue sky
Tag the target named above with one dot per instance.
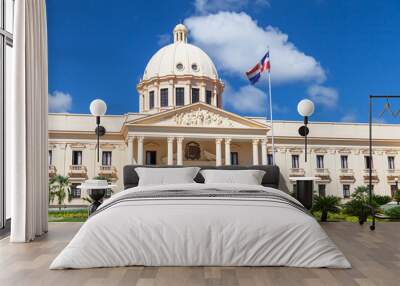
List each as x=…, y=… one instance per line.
x=334, y=52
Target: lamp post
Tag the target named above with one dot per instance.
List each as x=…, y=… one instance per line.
x=98, y=108
x=305, y=109
x=396, y=180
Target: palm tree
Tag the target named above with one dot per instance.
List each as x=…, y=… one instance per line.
x=397, y=196
x=325, y=205
x=60, y=187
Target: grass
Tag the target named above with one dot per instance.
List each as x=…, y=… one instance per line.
x=68, y=215
x=81, y=215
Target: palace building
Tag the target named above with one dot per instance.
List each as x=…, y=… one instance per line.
x=181, y=122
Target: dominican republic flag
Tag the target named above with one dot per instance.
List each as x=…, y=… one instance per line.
x=254, y=74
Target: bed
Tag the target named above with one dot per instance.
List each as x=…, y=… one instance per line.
x=201, y=224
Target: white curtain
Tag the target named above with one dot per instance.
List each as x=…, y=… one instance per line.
x=27, y=123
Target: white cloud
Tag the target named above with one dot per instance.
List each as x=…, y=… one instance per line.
x=323, y=95
x=236, y=42
x=60, y=102
x=379, y=120
x=248, y=99
x=210, y=6
x=350, y=117
x=164, y=39
x=278, y=108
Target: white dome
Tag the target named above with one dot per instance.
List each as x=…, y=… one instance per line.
x=180, y=58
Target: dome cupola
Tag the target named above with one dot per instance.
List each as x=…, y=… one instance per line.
x=180, y=33
x=179, y=74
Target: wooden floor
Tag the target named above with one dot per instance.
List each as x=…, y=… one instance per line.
x=375, y=257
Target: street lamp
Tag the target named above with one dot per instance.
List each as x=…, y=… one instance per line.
x=98, y=108
x=396, y=180
x=305, y=109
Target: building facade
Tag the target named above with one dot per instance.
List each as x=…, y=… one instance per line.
x=181, y=122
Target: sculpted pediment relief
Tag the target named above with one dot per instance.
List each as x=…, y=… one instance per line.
x=200, y=118
x=198, y=115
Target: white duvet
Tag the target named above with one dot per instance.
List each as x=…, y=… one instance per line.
x=200, y=231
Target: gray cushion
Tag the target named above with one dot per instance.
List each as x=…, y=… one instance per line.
x=270, y=179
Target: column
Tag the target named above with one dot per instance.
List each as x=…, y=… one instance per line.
x=264, y=160
x=227, y=151
x=187, y=94
x=171, y=91
x=141, y=108
x=215, y=97
x=170, y=150
x=140, y=150
x=255, y=151
x=218, y=159
x=202, y=97
x=130, y=150
x=179, y=155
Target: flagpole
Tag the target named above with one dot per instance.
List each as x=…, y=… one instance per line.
x=270, y=117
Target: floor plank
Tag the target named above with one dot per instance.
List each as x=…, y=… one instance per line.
x=375, y=257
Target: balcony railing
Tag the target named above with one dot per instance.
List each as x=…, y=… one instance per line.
x=77, y=171
x=52, y=170
x=393, y=172
x=366, y=172
x=374, y=176
x=322, y=172
x=346, y=172
x=108, y=170
x=297, y=172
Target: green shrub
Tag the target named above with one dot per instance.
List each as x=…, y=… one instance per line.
x=359, y=198
x=393, y=212
x=381, y=200
x=397, y=196
x=325, y=205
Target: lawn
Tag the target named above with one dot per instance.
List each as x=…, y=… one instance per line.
x=81, y=215
x=68, y=215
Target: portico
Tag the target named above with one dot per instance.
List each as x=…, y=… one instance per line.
x=179, y=137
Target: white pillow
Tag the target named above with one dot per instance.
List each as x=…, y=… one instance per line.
x=166, y=176
x=248, y=177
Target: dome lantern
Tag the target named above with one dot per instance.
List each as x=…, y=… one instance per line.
x=180, y=33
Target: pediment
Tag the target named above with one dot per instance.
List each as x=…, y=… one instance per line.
x=198, y=115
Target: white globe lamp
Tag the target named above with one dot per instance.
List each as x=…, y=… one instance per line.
x=98, y=108
x=305, y=109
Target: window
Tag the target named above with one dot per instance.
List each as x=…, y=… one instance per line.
x=270, y=159
x=208, y=96
x=234, y=158
x=76, y=157
x=75, y=191
x=344, y=162
x=50, y=157
x=6, y=44
x=369, y=162
x=346, y=191
x=195, y=95
x=164, y=97
x=320, y=161
x=151, y=99
x=106, y=158
x=179, y=96
x=322, y=190
x=295, y=162
x=391, y=165
x=393, y=190
x=151, y=158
